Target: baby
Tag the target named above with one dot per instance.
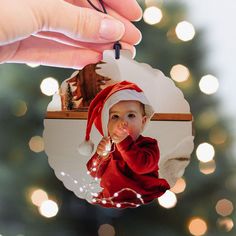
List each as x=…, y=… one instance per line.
x=125, y=161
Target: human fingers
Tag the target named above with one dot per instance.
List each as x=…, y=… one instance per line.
x=132, y=35
x=104, y=141
x=104, y=146
x=81, y=23
x=93, y=46
x=118, y=137
x=47, y=52
x=27, y=17
x=129, y=9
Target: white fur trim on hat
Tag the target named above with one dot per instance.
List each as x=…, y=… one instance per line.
x=124, y=95
x=86, y=148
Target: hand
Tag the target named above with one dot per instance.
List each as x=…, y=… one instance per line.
x=64, y=33
x=119, y=134
x=104, y=147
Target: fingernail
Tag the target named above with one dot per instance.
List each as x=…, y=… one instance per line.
x=111, y=29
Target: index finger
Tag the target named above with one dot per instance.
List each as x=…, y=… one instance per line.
x=129, y=9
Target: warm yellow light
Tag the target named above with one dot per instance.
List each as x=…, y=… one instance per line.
x=36, y=144
x=106, y=230
x=230, y=182
x=224, y=207
x=209, y=84
x=168, y=200
x=225, y=223
x=207, y=167
x=153, y=2
x=185, y=31
x=38, y=196
x=179, y=186
x=218, y=136
x=152, y=15
x=179, y=73
x=49, y=86
x=207, y=119
x=205, y=152
x=197, y=226
x=32, y=65
x=48, y=208
x=19, y=109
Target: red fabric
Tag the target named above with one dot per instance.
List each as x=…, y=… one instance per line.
x=131, y=165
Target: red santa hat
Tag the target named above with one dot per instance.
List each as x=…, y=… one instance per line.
x=98, y=112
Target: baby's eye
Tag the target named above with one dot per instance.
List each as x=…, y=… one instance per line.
x=114, y=117
x=131, y=115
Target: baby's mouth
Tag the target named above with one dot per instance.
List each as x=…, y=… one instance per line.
x=121, y=131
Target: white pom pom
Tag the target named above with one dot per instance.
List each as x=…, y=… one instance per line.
x=86, y=148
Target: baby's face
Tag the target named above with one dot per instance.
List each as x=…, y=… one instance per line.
x=126, y=118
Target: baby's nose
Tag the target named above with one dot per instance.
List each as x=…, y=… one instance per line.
x=124, y=123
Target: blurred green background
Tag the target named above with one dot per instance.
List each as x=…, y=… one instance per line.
x=205, y=195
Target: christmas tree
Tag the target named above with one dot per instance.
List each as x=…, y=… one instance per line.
x=69, y=97
x=33, y=202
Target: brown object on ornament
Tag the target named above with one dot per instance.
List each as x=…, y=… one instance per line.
x=84, y=84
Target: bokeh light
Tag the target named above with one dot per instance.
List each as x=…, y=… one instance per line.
x=153, y=2
x=207, y=167
x=185, y=31
x=48, y=209
x=230, y=182
x=49, y=86
x=19, y=108
x=38, y=196
x=106, y=230
x=225, y=223
x=152, y=15
x=32, y=65
x=218, y=135
x=197, y=226
x=209, y=84
x=180, y=186
x=207, y=119
x=168, y=200
x=205, y=152
x=36, y=144
x=179, y=73
x=224, y=207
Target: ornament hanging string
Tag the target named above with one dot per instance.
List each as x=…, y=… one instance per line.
x=117, y=45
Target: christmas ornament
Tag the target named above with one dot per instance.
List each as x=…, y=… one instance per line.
x=66, y=120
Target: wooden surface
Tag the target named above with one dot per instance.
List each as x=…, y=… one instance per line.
x=82, y=115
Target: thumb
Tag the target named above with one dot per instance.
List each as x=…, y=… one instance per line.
x=83, y=24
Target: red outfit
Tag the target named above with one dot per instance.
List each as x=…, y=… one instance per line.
x=129, y=175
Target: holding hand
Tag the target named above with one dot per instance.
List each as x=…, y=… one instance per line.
x=64, y=33
x=104, y=147
x=119, y=133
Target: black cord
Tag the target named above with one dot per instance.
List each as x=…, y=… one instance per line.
x=117, y=45
x=103, y=7
x=96, y=8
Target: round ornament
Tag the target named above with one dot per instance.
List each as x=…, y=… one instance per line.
x=66, y=121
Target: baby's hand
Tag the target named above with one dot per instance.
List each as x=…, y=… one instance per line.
x=104, y=147
x=120, y=134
